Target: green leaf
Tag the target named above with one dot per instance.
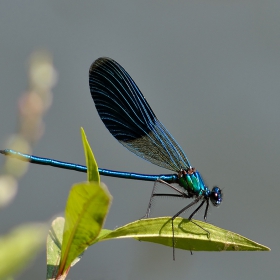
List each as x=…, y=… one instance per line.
x=54, y=242
x=87, y=206
x=189, y=235
x=19, y=247
x=92, y=168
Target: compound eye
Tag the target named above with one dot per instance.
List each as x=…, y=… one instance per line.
x=216, y=196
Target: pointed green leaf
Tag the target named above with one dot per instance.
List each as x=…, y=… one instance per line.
x=189, y=235
x=87, y=206
x=19, y=247
x=92, y=168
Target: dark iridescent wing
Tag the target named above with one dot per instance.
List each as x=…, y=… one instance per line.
x=129, y=118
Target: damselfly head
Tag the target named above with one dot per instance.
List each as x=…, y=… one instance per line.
x=216, y=196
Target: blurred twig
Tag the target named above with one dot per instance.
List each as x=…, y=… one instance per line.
x=32, y=106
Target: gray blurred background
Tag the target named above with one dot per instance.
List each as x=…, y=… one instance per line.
x=210, y=71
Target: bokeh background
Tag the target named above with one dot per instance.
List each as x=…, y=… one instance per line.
x=210, y=71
